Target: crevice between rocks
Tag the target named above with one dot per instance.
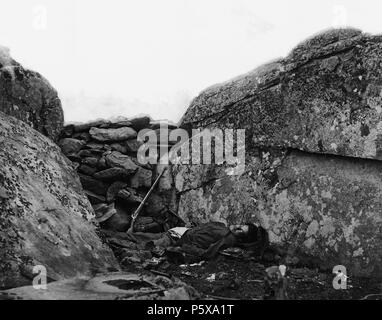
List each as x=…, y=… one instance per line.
x=287, y=152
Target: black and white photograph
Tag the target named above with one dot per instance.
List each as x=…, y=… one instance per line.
x=213, y=152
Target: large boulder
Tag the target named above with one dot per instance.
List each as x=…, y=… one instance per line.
x=324, y=211
x=45, y=218
x=28, y=96
x=325, y=97
x=313, y=122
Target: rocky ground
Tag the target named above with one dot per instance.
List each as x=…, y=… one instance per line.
x=244, y=280
x=236, y=274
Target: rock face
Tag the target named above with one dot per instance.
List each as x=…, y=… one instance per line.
x=325, y=97
x=45, y=216
x=28, y=96
x=312, y=121
x=322, y=209
x=105, y=153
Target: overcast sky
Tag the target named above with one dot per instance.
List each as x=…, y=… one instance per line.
x=125, y=57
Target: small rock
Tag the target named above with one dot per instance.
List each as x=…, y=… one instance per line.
x=95, y=198
x=114, y=189
x=86, y=153
x=67, y=131
x=104, y=211
x=74, y=158
x=129, y=195
x=142, y=178
x=88, y=125
x=75, y=165
x=83, y=136
x=117, y=159
x=133, y=145
x=71, y=146
x=96, y=146
x=102, y=165
x=91, y=162
x=124, y=195
x=140, y=123
x=119, y=222
x=112, y=174
x=87, y=170
x=131, y=260
x=118, y=123
x=107, y=135
x=177, y=294
x=93, y=185
x=118, y=147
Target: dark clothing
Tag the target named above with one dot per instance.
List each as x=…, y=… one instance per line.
x=206, y=240
x=205, y=235
x=201, y=242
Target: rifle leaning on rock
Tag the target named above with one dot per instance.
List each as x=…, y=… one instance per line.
x=136, y=213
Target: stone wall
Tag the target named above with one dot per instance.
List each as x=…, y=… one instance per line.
x=105, y=155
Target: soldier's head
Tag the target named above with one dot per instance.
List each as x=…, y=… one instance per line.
x=246, y=233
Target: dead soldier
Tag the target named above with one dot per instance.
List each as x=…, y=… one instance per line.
x=206, y=240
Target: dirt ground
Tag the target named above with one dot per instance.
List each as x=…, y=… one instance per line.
x=244, y=280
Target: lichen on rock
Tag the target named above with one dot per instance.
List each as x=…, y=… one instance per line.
x=325, y=97
x=313, y=129
x=45, y=218
x=28, y=96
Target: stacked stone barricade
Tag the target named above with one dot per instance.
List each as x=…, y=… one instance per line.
x=105, y=154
